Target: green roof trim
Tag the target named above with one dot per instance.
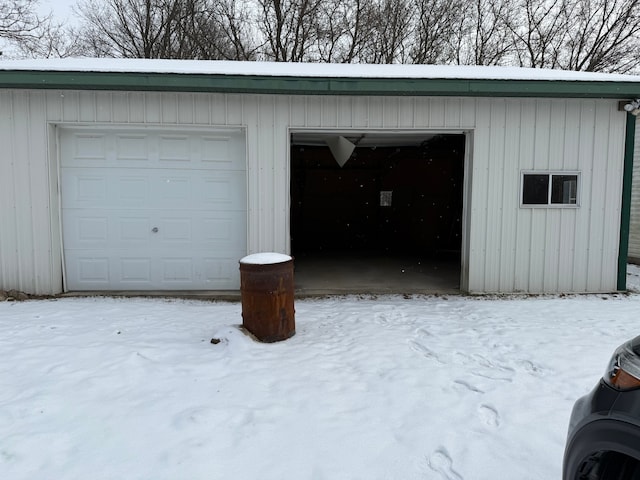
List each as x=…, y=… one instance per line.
x=263, y=84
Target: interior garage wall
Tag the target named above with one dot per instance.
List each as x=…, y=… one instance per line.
x=511, y=249
x=634, y=228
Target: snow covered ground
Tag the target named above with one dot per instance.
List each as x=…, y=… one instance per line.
x=369, y=388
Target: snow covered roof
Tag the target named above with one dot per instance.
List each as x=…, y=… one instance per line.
x=281, y=69
x=311, y=78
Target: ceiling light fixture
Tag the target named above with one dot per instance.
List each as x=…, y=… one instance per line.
x=633, y=107
x=341, y=149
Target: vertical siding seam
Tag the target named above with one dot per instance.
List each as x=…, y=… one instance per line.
x=532, y=213
x=144, y=106
x=50, y=207
x=210, y=100
x=78, y=105
x=367, y=121
x=34, y=251
x=3, y=263
x=485, y=199
x=500, y=246
x=176, y=103
x=18, y=242
x=589, y=224
x=274, y=171
x=515, y=250
x=258, y=163
x=580, y=165
x=557, y=242
x=413, y=112
x=563, y=213
x=351, y=116
x=603, y=231
x=192, y=107
x=12, y=210
x=546, y=210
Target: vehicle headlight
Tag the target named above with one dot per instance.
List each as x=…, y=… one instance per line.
x=623, y=372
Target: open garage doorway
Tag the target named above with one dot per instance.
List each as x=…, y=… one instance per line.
x=377, y=212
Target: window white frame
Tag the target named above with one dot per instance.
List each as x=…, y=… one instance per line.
x=551, y=174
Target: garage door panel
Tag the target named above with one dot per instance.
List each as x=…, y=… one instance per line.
x=221, y=191
x=132, y=230
x=176, y=270
x=207, y=272
x=84, y=188
x=171, y=149
x=90, y=270
x=130, y=148
x=132, y=190
x=130, y=224
x=135, y=270
x=174, y=148
x=199, y=230
x=217, y=152
x=176, y=231
x=218, y=272
x=90, y=147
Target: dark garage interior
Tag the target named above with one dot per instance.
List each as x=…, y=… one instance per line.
x=388, y=221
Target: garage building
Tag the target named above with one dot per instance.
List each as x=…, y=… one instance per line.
x=130, y=175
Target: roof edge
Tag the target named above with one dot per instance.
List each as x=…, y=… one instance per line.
x=300, y=85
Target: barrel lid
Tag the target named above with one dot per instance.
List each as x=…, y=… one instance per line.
x=265, y=258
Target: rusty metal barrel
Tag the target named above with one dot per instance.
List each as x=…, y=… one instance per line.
x=266, y=289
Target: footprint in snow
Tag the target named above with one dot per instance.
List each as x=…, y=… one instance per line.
x=468, y=386
x=381, y=319
x=424, y=351
x=489, y=415
x=423, y=332
x=440, y=462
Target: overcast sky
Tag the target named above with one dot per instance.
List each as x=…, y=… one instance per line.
x=60, y=8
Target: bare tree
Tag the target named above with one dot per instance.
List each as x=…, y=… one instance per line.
x=391, y=31
x=434, y=30
x=51, y=41
x=290, y=29
x=125, y=28
x=588, y=35
x=603, y=36
x=539, y=30
x=339, y=30
x=490, y=38
x=18, y=19
x=21, y=26
x=187, y=29
x=234, y=22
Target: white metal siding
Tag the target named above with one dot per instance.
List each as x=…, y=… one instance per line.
x=634, y=231
x=510, y=248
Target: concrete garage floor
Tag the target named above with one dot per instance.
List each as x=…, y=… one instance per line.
x=331, y=274
x=335, y=274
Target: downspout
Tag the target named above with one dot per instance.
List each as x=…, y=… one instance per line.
x=625, y=212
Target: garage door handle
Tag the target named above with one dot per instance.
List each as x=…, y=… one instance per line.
x=154, y=229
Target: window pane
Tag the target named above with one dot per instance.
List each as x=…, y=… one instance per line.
x=535, y=189
x=564, y=189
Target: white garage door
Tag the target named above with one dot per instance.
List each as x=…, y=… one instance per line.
x=153, y=209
